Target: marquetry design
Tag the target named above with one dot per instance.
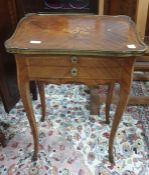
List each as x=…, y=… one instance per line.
x=79, y=30
x=99, y=35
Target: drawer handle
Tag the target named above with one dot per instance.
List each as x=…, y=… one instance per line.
x=74, y=60
x=74, y=72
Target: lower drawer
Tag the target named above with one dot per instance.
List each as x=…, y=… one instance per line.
x=46, y=72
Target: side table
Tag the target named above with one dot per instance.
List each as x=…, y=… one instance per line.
x=87, y=49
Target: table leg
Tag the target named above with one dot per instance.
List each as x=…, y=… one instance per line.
x=23, y=84
x=109, y=101
x=94, y=101
x=124, y=94
x=33, y=90
x=42, y=99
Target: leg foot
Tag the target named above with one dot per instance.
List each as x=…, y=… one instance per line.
x=23, y=84
x=124, y=93
x=34, y=157
x=107, y=122
x=42, y=119
x=111, y=160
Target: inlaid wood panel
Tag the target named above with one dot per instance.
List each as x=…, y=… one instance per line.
x=68, y=34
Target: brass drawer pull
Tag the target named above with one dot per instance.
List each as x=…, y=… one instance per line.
x=74, y=72
x=74, y=60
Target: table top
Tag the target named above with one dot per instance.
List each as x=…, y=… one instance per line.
x=76, y=34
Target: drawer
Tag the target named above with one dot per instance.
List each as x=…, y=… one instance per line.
x=73, y=72
x=83, y=61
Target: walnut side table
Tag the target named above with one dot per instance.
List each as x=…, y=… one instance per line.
x=87, y=49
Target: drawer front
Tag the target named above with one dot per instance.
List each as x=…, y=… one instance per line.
x=82, y=61
x=73, y=72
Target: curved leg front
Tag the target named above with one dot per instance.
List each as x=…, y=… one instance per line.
x=25, y=95
x=23, y=84
x=124, y=94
